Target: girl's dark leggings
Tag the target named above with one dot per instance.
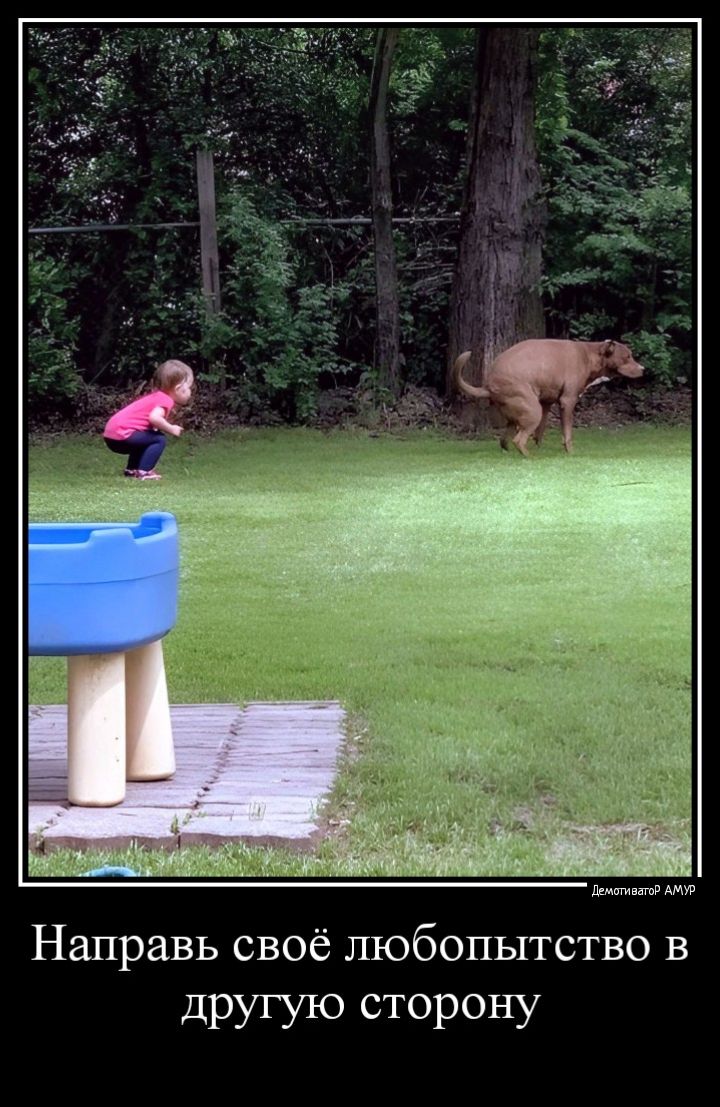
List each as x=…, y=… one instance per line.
x=142, y=447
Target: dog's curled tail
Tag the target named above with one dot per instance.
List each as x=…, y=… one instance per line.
x=462, y=385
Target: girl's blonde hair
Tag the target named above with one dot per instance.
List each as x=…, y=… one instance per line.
x=170, y=374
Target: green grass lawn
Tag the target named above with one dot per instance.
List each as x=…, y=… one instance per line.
x=510, y=638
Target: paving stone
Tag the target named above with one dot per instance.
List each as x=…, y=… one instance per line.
x=216, y=830
x=242, y=792
x=57, y=795
x=265, y=807
x=40, y=817
x=114, y=828
x=228, y=794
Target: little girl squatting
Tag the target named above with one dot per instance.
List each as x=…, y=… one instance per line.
x=137, y=430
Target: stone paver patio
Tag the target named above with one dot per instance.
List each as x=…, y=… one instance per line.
x=255, y=775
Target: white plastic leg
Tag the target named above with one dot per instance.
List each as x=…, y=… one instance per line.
x=150, y=750
x=96, y=729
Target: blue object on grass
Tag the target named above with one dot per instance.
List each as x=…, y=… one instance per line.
x=111, y=870
x=101, y=587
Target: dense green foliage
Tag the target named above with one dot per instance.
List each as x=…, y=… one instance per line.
x=115, y=114
x=274, y=336
x=616, y=134
x=51, y=335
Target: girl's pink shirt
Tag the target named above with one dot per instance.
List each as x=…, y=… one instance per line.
x=136, y=416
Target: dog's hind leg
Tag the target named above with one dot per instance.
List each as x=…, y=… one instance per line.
x=507, y=434
x=540, y=428
x=528, y=417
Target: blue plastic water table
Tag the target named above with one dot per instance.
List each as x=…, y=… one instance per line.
x=101, y=587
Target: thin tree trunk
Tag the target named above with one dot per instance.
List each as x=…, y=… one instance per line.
x=121, y=246
x=495, y=302
x=387, y=334
x=647, y=310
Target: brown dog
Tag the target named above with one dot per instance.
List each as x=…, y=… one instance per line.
x=526, y=380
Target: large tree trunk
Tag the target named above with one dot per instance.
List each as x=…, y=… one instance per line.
x=495, y=301
x=387, y=333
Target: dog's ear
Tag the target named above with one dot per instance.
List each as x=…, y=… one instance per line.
x=608, y=348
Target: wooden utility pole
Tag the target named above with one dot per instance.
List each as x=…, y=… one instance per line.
x=208, y=232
